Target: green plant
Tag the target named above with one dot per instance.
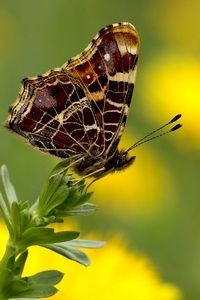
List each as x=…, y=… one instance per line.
x=27, y=224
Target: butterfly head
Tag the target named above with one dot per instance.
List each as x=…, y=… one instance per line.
x=119, y=161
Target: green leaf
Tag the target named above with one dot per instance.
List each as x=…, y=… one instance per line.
x=69, y=249
x=82, y=210
x=81, y=243
x=84, y=198
x=41, y=235
x=38, y=285
x=60, y=168
x=36, y=235
x=63, y=236
x=61, y=195
x=74, y=198
x=10, y=285
x=50, y=277
x=16, y=218
x=16, y=286
x=25, y=218
x=54, y=193
x=5, y=213
x=36, y=291
x=69, y=252
x=20, y=262
x=9, y=188
x=10, y=264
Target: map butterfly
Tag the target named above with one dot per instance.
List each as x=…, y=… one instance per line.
x=79, y=111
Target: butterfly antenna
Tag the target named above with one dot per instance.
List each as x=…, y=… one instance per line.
x=150, y=136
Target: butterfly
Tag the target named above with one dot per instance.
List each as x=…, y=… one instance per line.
x=79, y=111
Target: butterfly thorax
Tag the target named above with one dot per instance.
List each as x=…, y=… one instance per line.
x=100, y=166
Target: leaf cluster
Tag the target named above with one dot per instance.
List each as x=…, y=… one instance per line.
x=28, y=225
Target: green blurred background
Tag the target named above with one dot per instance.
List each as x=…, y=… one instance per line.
x=156, y=204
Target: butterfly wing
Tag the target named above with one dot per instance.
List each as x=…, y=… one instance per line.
x=106, y=71
x=80, y=109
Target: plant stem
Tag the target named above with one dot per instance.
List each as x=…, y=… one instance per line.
x=9, y=252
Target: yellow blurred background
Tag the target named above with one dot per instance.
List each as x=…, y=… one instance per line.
x=149, y=213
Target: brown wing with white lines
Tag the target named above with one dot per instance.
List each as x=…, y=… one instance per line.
x=81, y=108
